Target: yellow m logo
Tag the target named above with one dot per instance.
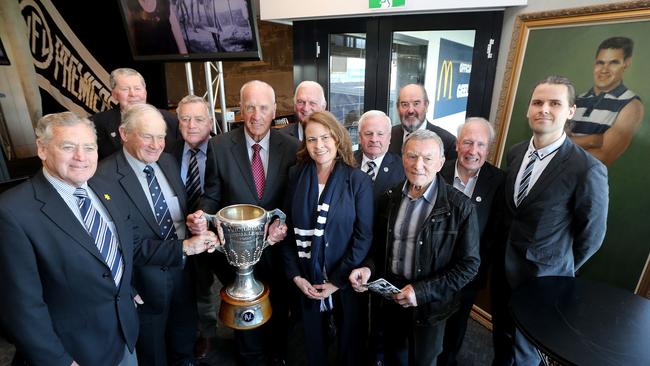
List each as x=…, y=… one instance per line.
x=446, y=71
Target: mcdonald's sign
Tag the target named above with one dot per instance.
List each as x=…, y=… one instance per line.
x=445, y=79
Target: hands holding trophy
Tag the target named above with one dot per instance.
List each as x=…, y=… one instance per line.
x=241, y=231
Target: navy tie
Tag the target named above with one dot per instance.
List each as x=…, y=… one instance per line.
x=163, y=217
x=100, y=231
x=193, y=181
x=371, y=169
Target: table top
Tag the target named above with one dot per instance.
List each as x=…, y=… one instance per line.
x=581, y=322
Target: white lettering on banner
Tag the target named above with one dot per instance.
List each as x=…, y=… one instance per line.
x=465, y=68
x=70, y=74
x=462, y=90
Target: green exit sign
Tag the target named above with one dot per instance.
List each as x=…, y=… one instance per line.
x=385, y=4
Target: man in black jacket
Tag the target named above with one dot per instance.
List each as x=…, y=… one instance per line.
x=427, y=244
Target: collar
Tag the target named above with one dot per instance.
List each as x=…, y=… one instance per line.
x=456, y=175
x=377, y=160
x=616, y=92
x=136, y=164
x=264, y=143
x=60, y=185
x=548, y=150
x=203, y=147
x=429, y=195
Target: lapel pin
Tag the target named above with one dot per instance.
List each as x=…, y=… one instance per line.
x=478, y=199
x=385, y=169
x=113, y=134
x=107, y=197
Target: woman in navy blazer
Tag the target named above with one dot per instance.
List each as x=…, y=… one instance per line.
x=331, y=214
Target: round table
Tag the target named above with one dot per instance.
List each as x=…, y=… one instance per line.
x=575, y=321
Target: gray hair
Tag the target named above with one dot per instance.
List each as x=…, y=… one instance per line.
x=189, y=99
x=130, y=116
x=375, y=114
x=420, y=135
x=256, y=82
x=124, y=71
x=45, y=126
x=312, y=84
x=482, y=121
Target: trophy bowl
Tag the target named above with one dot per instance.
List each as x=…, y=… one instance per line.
x=242, y=228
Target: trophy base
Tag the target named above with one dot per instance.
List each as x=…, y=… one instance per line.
x=244, y=314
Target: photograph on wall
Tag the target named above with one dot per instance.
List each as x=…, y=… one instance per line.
x=191, y=29
x=605, y=58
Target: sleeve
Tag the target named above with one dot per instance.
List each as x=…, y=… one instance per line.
x=25, y=317
x=590, y=213
x=361, y=240
x=464, y=264
x=288, y=245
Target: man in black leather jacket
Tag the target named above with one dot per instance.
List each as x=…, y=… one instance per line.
x=427, y=244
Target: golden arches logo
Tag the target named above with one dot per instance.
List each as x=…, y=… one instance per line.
x=446, y=71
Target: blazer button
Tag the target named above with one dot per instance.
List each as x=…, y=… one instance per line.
x=420, y=243
x=105, y=275
x=163, y=268
x=117, y=298
x=419, y=269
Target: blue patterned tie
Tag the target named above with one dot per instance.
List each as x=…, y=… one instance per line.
x=104, y=239
x=163, y=217
x=525, y=178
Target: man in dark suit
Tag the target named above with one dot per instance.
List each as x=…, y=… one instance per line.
x=157, y=198
x=195, y=125
x=308, y=98
x=483, y=184
x=426, y=243
x=412, y=106
x=127, y=88
x=556, y=199
x=229, y=180
x=65, y=298
x=384, y=167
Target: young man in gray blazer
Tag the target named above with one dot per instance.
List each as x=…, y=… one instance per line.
x=556, y=199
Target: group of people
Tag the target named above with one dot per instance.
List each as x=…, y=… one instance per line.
x=113, y=263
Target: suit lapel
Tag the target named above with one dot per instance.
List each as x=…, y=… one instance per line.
x=170, y=169
x=240, y=154
x=129, y=181
x=58, y=212
x=482, y=183
x=276, y=150
x=513, y=170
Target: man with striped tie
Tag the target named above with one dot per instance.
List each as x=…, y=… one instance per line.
x=158, y=202
x=195, y=124
x=67, y=256
x=384, y=167
x=556, y=199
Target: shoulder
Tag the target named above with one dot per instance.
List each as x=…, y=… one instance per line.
x=448, y=170
x=17, y=196
x=444, y=134
x=284, y=140
x=169, y=116
x=104, y=117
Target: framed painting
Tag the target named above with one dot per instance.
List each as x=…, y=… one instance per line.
x=569, y=43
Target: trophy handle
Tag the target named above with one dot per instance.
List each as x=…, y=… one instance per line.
x=277, y=212
x=216, y=223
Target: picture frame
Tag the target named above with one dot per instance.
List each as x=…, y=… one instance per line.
x=4, y=59
x=565, y=42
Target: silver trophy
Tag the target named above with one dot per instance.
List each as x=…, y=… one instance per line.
x=242, y=229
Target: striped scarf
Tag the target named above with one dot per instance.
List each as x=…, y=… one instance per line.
x=310, y=219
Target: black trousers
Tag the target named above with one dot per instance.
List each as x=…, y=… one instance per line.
x=349, y=314
x=456, y=326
